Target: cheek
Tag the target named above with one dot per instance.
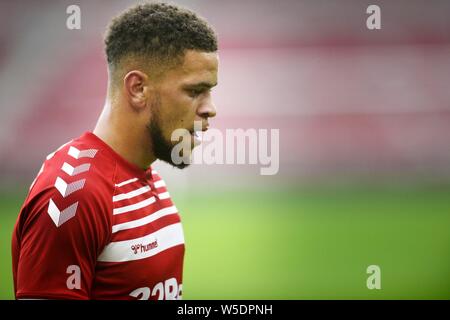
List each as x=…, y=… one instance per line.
x=182, y=113
x=170, y=121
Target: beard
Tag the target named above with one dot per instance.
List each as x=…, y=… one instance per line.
x=162, y=148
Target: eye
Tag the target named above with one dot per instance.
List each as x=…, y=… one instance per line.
x=195, y=92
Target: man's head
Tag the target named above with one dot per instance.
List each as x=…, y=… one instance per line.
x=162, y=63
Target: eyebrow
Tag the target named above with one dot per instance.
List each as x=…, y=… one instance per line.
x=201, y=85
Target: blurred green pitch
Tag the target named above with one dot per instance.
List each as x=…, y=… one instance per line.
x=298, y=244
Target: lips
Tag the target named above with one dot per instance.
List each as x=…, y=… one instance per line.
x=202, y=130
x=197, y=135
x=197, y=131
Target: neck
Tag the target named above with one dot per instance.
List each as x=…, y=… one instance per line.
x=124, y=136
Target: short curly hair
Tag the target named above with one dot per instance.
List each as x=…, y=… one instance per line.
x=158, y=32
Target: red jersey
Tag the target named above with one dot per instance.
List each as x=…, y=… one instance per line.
x=95, y=226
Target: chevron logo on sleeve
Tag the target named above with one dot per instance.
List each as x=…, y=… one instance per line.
x=68, y=188
x=77, y=154
x=73, y=171
x=60, y=217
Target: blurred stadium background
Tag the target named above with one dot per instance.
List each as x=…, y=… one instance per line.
x=364, y=119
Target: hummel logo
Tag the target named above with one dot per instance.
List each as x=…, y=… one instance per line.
x=71, y=171
x=135, y=248
x=66, y=189
x=77, y=154
x=144, y=248
x=59, y=217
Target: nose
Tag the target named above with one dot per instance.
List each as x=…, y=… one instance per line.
x=207, y=109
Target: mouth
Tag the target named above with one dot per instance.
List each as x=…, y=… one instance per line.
x=197, y=135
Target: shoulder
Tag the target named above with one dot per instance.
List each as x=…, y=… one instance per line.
x=76, y=179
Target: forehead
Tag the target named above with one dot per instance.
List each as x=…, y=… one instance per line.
x=197, y=66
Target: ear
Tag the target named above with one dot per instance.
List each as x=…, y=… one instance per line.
x=136, y=88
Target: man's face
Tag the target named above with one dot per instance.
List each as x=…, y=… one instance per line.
x=184, y=96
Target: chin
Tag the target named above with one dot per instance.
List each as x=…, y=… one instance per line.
x=181, y=165
x=184, y=164
x=185, y=160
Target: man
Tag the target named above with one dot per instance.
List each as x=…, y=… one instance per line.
x=98, y=222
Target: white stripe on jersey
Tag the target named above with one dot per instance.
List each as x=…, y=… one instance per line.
x=160, y=183
x=146, y=220
x=131, y=194
x=140, y=248
x=126, y=182
x=164, y=195
x=135, y=206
